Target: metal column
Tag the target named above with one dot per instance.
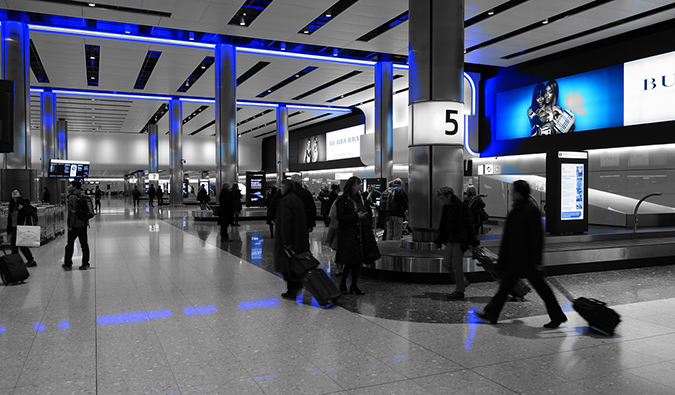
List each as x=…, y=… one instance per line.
x=384, y=126
x=226, y=115
x=282, y=143
x=15, y=67
x=176, y=151
x=48, y=120
x=62, y=139
x=436, y=56
x=153, y=149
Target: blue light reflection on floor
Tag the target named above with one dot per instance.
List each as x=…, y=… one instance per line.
x=2, y=330
x=39, y=326
x=64, y=324
x=473, y=320
x=567, y=307
x=259, y=304
x=201, y=310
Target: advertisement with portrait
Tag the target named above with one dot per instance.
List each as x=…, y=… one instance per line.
x=312, y=149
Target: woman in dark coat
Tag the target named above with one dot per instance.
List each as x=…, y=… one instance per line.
x=520, y=256
x=291, y=233
x=272, y=203
x=236, y=204
x=356, y=247
x=225, y=214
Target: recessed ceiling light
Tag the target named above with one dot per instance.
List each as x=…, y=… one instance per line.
x=306, y=31
x=203, y=67
x=545, y=21
x=491, y=12
x=242, y=21
x=328, y=14
x=92, y=5
x=92, y=57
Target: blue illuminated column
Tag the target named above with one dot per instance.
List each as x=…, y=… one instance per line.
x=48, y=121
x=384, y=127
x=15, y=67
x=226, y=115
x=176, y=151
x=153, y=149
x=61, y=139
x=282, y=142
x=436, y=108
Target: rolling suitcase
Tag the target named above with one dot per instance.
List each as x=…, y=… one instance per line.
x=12, y=268
x=600, y=318
x=488, y=260
x=324, y=290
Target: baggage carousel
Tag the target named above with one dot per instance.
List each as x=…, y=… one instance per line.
x=422, y=262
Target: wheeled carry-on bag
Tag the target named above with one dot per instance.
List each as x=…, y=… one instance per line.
x=325, y=292
x=12, y=268
x=488, y=260
x=599, y=317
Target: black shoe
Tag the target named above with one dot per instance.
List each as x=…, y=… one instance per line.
x=67, y=267
x=343, y=289
x=290, y=295
x=456, y=295
x=31, y=263
x=84, y=267
x=554, y=324
x=487, y=317
x=356, y=290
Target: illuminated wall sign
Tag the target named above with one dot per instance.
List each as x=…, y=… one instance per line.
x=343, y=176
x=153, y=176
x=489, y=169
x=649, y=90
x=572, y=155
x=436, y=122
x=632, y=93
x=312, y=149
x=344, y=143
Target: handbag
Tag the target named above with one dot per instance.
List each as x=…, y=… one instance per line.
x=299, y=264
x=371, y=252
x=484, y=216
x=28, y=236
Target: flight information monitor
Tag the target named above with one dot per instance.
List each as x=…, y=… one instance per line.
x=68, y=169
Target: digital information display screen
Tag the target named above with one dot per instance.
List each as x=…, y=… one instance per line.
x=68, y=169
x=571, y=191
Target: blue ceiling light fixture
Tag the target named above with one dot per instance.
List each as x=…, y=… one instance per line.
x=327, y=16
x=248, y=12
x=287, y=81
x=147, y=68
x=197, y=73
x=384, y=27
x=36, y=65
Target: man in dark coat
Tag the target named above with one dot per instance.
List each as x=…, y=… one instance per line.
x=456, y=232
x=225, y=215
x=291, y=234
x=520, y=255
x=324, y=198
x=307, y=200
x=151, y=194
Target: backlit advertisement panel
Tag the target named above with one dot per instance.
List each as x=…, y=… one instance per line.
x=633, y=93
x=649, y=90
x=571, y=191
x=344, y=143
x=312, y=149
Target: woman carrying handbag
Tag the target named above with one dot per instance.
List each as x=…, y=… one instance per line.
x=355, y=235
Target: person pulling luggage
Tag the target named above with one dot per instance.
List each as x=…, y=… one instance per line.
x=520, y=255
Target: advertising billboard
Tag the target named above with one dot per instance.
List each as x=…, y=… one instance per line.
x=344, y=143
x=633, y=93
x=312, y=149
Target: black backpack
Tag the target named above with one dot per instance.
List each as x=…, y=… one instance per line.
x=85, y=208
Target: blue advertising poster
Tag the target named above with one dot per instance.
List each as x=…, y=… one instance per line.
x=571, y=191
x=587, y=101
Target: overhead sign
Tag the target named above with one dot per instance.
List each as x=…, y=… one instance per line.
x=437, y=122
x=344, y=143
x=343, y=176
x=153, y=176
x=572, y=155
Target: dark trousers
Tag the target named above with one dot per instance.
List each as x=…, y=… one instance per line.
x=292, y=285
x=354, y=270
x=24, y=250
x=137, y=201
x=150, y=199
x=98, y=205
x=223, y=231
x=537, y=280
x=74, y=233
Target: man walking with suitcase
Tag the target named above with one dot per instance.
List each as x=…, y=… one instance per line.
x=520, y=256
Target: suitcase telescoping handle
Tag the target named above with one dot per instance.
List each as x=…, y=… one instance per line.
x=560, y=288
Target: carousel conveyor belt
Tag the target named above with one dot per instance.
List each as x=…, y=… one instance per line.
x=562, y=254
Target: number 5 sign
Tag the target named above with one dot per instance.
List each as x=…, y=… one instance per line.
x=435, y=122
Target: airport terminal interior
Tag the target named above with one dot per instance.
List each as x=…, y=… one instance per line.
x=573, y=97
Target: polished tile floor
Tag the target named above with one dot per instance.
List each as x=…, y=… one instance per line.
x=166, y=309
